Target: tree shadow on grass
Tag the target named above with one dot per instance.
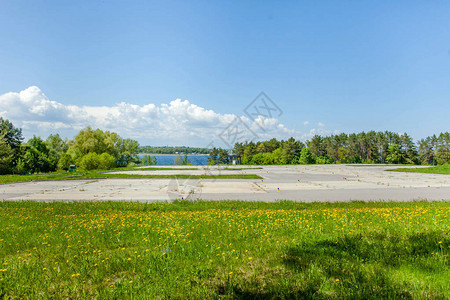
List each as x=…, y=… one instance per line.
x=351, y=267
x=359, y=264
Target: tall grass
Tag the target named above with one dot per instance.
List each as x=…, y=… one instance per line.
x=227, y=249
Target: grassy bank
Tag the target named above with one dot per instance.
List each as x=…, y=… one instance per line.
x=441, y=169
x=162, y=169
x=100, y=175
x=224, y=249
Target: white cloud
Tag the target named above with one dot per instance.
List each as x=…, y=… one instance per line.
x=176, y=123
x=306, y=123
x=321, y=124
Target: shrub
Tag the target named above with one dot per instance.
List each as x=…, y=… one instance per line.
x=106, y=161
x=65, y=161
x=90, y=161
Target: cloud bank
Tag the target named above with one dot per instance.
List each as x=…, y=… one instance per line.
x=176, y=123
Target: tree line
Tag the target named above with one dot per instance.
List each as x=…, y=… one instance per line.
x=89, y=150
x=371, y=147
x=97, y=149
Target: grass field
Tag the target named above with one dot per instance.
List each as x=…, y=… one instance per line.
x=63, y=175
x=162, y=169
x=226, y=249
x=441, y=169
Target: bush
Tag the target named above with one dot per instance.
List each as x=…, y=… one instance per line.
x=262, y=159
x=321, y=160
x=65, y=161
x=106, y=161
x=90, y=161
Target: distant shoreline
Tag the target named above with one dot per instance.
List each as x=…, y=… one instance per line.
x=171, y=154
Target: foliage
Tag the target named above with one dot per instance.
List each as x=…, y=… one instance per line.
x=92, y=149
x=370, y=147
x=10, y=134
x=35, y=158
x=177, y=160
x=185, y=161
x=65, y=161
x=93, y=161
x=10, y=141
x=147, y=160
x=306, y=157
x=6, y=157
x=106, y=161
x=218, y=156
x=98, y=141
x=394, y=155
x=89, y=161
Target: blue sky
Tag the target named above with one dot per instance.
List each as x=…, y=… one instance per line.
x=349, y=65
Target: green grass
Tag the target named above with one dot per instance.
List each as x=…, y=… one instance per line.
x=163, y=169
x=228, y=249
x=378, y=165
x=101, y=175
x=441, y=169
x=184, y=176
x=245, y=168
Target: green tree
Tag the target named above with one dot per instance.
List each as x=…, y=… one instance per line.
x=98, y=141
x=213, y=158
x=10, y=141
x=10, y=134
x=316, y=146
x=185, y=161
x=426, y=150
x=306, y=157
x=177, y=160
x=6, y=157
x=223, y=157
x=394, y=155
x=249, y=151
x=291, y=148
x=278, y=157
x=238, y=150
x=262, y=159
x=443, y=148
x=35, y=157
x=65, y=161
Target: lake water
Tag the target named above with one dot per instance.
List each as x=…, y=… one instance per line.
x=170, y=159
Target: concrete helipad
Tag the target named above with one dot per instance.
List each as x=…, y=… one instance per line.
x=298, y=182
